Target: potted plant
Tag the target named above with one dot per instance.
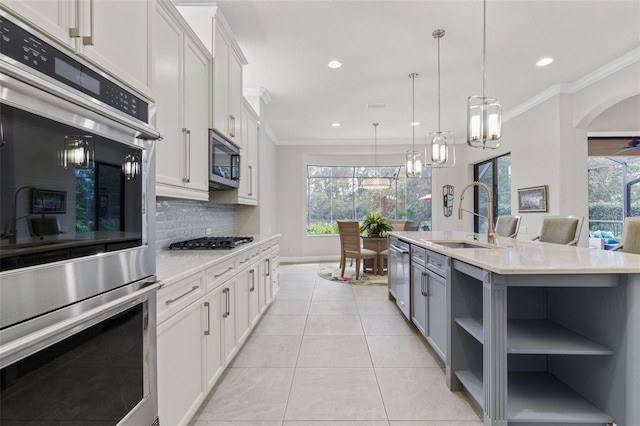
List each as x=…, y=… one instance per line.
x=374, y=225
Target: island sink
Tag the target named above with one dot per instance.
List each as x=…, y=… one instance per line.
x=465, y=244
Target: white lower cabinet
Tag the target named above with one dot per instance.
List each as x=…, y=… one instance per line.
x=214, y=361
x=203, y=321
x=180, y=351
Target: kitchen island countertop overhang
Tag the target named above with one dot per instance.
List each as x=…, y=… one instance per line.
x=510, y=256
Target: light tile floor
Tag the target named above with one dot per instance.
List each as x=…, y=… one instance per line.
x=333, y=354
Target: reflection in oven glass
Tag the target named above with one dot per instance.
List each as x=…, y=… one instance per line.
x=94, y=377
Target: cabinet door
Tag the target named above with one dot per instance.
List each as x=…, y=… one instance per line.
x=235, y=98
x=245, y=182
x=55, y=18
x=254, y=307
x=214, y=360
x=168, y=94
x=221, y=120
x=116, y=35
x=243, y=297
x=180, y=349
x=228, y=320
x=196, y=107
x=251, y=148
x=437, y=314
x=418, y=298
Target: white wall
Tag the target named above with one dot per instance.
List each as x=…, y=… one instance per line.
x=548, y=146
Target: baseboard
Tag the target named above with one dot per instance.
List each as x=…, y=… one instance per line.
x=309, y=259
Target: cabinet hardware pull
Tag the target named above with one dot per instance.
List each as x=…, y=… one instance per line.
x=226, y=303
x=232, y=126
x=244, y=261
x=219, y=275
x=187, y=157
x=253, y=280
x=194, y=288
x=424, y=284
x=250, y=180
x=268, y=262
x=208, y=330
x=88, y=40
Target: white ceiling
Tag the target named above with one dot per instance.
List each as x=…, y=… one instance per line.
x=288, y=45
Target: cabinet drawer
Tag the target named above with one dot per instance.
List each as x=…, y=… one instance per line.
x=244, y=259
x=265, y=249
x=174, y=297
x=255, y=253
x=218, y=274
x=418, y=255
x=437, y=263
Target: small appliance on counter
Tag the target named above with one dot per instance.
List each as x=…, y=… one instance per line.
x=210, y=243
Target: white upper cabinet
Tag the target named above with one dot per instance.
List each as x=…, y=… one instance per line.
x=113, y=35
x=181, y=90
x=214, y=31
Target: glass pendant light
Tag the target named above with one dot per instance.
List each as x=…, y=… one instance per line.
x=484, y=115
x=132, y=165
x=78, y=152
x=441, y=145
x=413, y=165
x=376, y=182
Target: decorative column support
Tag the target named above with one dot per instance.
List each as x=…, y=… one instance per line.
x=494, y=315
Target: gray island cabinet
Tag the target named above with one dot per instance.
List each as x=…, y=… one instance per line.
x=535, y=333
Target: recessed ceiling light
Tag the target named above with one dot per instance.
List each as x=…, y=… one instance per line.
x=335, y=124
x=415, y=123
x=334, y=64
x=544, y=61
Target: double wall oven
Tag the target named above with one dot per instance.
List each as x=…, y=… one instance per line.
x=77, y=254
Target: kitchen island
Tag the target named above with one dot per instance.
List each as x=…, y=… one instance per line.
x=536, y=332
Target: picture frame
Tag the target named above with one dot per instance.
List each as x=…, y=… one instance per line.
x=533, y=199
x=54, y=201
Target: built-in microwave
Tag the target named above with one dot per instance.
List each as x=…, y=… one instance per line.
x=224, y=162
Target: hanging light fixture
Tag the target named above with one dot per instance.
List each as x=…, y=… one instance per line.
x=78, y=152
x=376, y=182
x=413, y=166
x=441, y=145
x=132, y=165
x=484, y=115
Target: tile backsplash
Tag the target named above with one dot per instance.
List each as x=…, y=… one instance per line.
x=178, y=220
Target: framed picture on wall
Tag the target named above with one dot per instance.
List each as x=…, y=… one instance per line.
x=533, y=199
x=53, y=201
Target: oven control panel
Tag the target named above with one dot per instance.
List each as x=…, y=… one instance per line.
x=24, y=47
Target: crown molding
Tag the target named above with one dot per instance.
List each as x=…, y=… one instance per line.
x=570, y=88
x=257, y=91
x=270, y=134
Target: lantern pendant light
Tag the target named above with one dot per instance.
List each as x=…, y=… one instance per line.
x=413, y=166
x=441, y=145
x=484, y=115
x=376, y=182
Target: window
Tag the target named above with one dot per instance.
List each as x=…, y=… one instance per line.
x=335, y=193
x=614, y=192
x=496, y=174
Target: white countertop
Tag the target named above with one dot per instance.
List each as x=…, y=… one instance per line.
x=510, y=256
x=174, y=265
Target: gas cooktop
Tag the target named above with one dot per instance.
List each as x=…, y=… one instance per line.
x=210, y=243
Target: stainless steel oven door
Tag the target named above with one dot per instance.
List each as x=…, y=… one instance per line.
x=91, y=362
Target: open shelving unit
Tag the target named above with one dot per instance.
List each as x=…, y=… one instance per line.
x=534, y=391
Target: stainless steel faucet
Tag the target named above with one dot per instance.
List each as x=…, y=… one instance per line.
x=12, y=234
x=491, y=235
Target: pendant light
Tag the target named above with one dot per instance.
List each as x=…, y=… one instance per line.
x=484, y=115
x=78, y=152
x=441, y=145
x=413, y=165
x=376, y=182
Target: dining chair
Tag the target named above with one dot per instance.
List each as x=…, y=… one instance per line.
x=630, y=236
x=397, y=224
x=508, y=226
x=560, y=230
x=351, y=246
x=412, y=226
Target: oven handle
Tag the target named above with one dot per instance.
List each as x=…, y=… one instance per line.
x=23, y=346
